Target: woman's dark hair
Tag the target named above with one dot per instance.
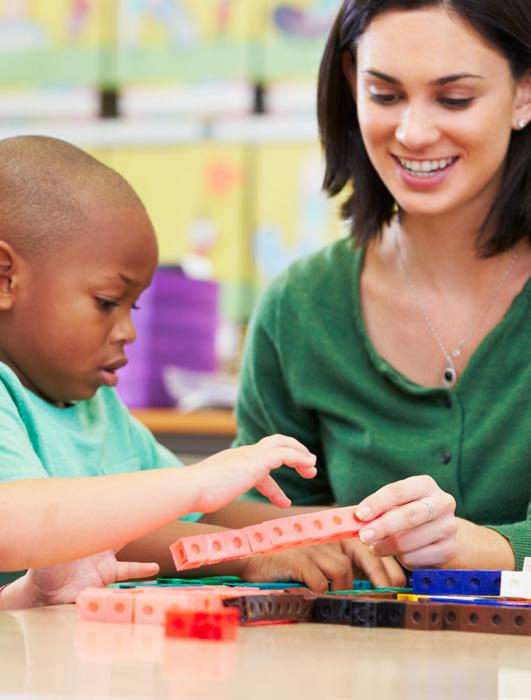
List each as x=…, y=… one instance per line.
x=504, y=24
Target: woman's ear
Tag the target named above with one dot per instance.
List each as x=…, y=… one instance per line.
x=8, y=272
x=522, y=104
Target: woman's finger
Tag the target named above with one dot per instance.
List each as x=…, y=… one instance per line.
x=409, y=516
x=396, y=494
x=416, y=538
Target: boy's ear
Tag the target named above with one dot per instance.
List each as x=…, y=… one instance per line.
x=7, y=276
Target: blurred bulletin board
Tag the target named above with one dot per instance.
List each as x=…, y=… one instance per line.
x=249, y=210
x=196, y=197
x=183, y=40
x=54, y=42
x=119, y=42
x=292, y=216
x=292, y=38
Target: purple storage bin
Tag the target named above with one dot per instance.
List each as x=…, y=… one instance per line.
x=176, y=325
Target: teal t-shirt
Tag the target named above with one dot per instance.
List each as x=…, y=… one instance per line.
x=311, y=371
x=89, y=438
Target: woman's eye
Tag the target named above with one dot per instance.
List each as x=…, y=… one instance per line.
x=385, y=98
x=106, y=304
x=456, y=102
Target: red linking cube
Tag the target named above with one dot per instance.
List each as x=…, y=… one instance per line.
x=220, y=625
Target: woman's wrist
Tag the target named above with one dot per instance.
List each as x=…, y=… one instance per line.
x=481, y=547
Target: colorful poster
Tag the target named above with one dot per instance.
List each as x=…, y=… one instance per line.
x=293, y=217
x=195, y=196
x=57, y=42
x=182, y=40
x=293, y=38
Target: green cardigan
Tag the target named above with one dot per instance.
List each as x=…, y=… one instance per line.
x=310, y=371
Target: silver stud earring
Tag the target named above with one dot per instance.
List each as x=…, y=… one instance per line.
x=521, y=123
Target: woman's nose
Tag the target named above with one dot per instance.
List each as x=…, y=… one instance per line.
x=416, y=129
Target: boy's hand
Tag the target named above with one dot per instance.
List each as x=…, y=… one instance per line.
x=326, y=567
x=230, y=473
x=62, y=583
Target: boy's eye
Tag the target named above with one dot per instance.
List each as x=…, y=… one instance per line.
x=106, y=304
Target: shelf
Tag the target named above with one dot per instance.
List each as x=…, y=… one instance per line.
x=172, y=421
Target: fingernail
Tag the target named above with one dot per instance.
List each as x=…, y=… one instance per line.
x=367, y=535
x=364, y=513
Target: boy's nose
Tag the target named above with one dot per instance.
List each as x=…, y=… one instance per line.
x=416, y=129
x=124, y=331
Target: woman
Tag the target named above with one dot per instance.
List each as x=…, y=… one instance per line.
x=401, y=356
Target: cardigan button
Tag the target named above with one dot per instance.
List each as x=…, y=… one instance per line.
x=447, y=401
x=446, y=457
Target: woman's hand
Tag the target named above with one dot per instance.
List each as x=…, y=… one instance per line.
x=412, y=520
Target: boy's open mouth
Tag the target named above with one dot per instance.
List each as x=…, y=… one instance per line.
x=108, y=374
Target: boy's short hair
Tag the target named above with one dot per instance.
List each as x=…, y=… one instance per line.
x=46, y=186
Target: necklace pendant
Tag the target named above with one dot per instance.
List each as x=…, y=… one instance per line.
x=449, y=377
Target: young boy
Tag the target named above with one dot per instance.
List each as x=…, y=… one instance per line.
x=77, y=248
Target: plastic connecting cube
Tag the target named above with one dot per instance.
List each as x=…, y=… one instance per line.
x=277, y=607
x=283, y=533
x=456, y=582
x=423, y=616
x=359, y=612
x=516, y=584
x=220, y=625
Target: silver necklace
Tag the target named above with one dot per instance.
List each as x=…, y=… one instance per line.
x=449, y=376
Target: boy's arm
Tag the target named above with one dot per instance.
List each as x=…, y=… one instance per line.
x=75, y=517
x=52, y=520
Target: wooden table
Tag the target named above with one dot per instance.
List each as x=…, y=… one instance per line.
x=195, y=433
x=49, y=652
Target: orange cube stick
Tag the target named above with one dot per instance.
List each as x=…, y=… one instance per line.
x=189, y=552
x=259, y=538
x=333, y=524
x=232, y=544
x=291, y=532
x=92, y=604
x=150, y=608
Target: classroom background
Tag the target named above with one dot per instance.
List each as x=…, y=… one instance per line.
x=208, y=108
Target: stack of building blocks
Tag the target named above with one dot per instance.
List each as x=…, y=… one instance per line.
x=439, y=600
x=270, y=536
x=456, y=582
x=148, y=605
x=273, y=607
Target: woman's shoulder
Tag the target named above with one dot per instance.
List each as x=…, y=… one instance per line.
x=328, y=273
